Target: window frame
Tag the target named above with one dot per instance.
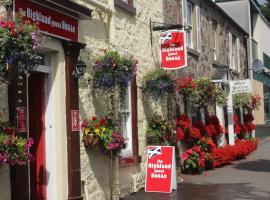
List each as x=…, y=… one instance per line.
x=127, y=6
x=189, y=23
x=215, y=39
x=133, y=158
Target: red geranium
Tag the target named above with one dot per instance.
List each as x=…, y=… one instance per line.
x=102, y=122
x=183, y=121
x=180, y=134
x=194, y=133
x=94, y=118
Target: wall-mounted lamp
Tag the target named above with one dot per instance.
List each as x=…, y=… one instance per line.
x=79, y=69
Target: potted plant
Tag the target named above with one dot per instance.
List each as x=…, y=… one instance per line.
x=19, y=41
x=160, y=132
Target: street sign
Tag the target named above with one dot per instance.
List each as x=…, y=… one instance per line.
x=160, y=170
x=21, y=119
x=173, y=49
x=75, y=120
x=51, y=22
x=241, y=86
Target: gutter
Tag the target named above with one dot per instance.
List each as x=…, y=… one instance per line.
x=100, y=5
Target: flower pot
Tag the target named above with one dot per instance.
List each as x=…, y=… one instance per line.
x=90, y=141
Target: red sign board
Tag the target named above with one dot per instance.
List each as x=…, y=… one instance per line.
x=51, y=22
x=173, y=50
x=75, y=120
x=160, y=169
x=21, y=119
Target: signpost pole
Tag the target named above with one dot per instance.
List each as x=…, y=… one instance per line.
x=230, y=116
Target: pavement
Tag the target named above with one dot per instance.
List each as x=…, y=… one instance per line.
x=247, y=179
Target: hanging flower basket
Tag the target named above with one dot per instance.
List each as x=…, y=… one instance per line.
x=112, y=70
x=19, y=41
x=90, y=141
x=247, y=101
x=184, y=86
x=104, y=133
x=206, y=93
x=14, y=150
x=157, y=83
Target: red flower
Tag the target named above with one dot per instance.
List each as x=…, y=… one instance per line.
x=211, y=143
x=235, y=118
x=237, y=129
x=248, y=118
x=180, y=134
x=93, y=118
x=194, y=133
x=102, y=122
x=96, y=125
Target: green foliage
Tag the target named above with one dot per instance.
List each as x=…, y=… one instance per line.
x=266, y=10
x=111, y=70
x=13, y=149
x=19, y=41
x=157, y=83
x=159, y=131
x=206, y=93
x=241, y=100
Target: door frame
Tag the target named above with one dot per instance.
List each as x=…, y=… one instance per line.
x=49, y=107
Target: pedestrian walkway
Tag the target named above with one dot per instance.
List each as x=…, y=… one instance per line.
x=247, y=179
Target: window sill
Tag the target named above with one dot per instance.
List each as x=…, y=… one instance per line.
x=129, y=161
x=216, y=63
x=234, y=72
x=193, y=52
x=123, y=5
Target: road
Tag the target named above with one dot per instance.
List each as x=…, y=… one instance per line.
x=247, y=179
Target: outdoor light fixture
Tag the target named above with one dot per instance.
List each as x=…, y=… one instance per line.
x=79, y=69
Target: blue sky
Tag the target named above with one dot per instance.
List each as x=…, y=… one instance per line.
x=261, y=1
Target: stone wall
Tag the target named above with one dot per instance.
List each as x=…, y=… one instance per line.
x=130, y=35
x=259, y=113
x=4, y=170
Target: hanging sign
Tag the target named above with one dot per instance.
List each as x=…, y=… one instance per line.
x=173, y=50
x=21, y=119
x=50, y=21
x=75, y=120
x=241, y=86
x=160, y=170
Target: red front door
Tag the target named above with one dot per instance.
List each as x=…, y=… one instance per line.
x=37, y=132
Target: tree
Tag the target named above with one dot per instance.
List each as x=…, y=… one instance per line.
x=266, y=10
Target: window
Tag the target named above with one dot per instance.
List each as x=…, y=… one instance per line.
x=234, y=52
x=127, y=5
x=126, y=123
x=193, y=20
x=128, y=119
x=189, y=18
x=214, y=39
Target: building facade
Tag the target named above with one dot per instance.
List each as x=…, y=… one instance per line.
x=215, y=42
x=253, y=21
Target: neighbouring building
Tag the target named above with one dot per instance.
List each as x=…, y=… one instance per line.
x=248, y=15
x=64, y=169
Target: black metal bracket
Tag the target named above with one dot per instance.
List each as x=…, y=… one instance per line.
x=157, y=26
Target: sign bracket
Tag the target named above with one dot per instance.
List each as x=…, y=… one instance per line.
x=160, y=26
